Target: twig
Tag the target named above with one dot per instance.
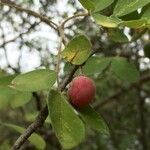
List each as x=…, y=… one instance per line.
x=31, y=128
x=137, y=36
x=142, y=120
x=30, y=12
x=40, y=118
x=61, y=32
x=43, y=113
x=20, y=35
x=38, y=101
x=74, y=16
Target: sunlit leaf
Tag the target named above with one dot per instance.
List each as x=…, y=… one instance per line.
x=35, y=80
x=109, y=22
x=78, y=50
x=135, y=23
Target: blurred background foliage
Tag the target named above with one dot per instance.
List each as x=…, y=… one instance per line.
x=27, y=44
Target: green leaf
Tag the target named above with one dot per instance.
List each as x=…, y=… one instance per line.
x=117, y=35
x=12, y=97
x=131, y=16
x=101, y=4
x=147, y=49
x=135, y=23
x=94, y=120
x=6, y=80
x=2, y=73
x=124, y=70
x=96, y=64
x=20, y=99
x=124, y=7
x=35, y=139
x=96, y=5
x=65, y=122
x=78, y=50
x=35, y=80
x=87, y=4
x=31, y=117
x=109, y=22
x=145, y=14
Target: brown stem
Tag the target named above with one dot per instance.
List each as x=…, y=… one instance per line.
x=38, y=101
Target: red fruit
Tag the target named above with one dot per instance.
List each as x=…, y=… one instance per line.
x=81, y=91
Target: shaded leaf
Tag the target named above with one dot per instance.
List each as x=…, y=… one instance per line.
x=124, y=70
x=101, y=4
x=131, y=16
x=147, y=50
x=117, y=35
x=96, y=64
x=12, y=97
x=94, y=120
x=96, y=5
x=65, y=122
x=6, y=80
x=35, y=80
x=146, y=12
x=2, y=73
x=87, y=4
x=35, y=139
x=31, y=117
x=78, y=50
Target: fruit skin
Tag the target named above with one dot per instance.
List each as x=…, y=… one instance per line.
x=81, y=91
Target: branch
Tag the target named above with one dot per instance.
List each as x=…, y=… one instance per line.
x=62, y=38
x=142, y=121
x=39, y=121
x=137, y=36
x=114, y=96
x=20, y=35
x=74, y=16
x=31, y=128
x=30, y=12
x=38, y=101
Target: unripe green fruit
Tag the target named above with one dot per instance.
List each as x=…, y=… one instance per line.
x=81, y=91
